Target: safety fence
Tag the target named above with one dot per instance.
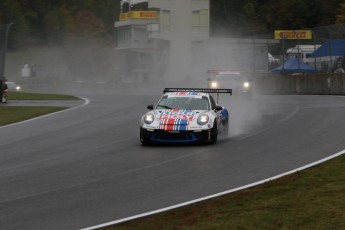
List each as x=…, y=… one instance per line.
x=310, y=84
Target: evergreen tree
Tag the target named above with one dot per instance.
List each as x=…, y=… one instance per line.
x=11, y=12
x=45, y=22
x=55, y=25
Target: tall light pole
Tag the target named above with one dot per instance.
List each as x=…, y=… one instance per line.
x=283, y=52
x=314, y=37
x=330, y=48
x=3, y=47
x=4, y=28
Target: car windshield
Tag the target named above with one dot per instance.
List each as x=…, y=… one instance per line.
x=225, y=77
x=190, y=103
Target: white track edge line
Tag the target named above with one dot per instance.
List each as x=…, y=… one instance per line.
x=86, y=102
x=215, y=195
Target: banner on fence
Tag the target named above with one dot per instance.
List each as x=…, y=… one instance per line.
x=292, y=34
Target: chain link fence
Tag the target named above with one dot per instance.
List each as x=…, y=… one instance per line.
x=326, y=80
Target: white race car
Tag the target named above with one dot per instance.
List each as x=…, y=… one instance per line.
x=185, y=115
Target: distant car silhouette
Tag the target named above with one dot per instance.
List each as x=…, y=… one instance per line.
x=236, y=80
x=11, y=86
x=4, y=90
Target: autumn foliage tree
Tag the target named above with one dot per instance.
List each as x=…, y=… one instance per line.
x=340, y=18
x=88, y=46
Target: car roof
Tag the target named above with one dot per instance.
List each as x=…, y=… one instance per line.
x=228, y=72
x=187, y=94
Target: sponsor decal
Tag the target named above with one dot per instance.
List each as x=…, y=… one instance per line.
x=185, y=94
x=292, y=34
x=195, y=127
x=175, y=119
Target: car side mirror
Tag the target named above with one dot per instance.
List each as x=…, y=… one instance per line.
x=150, y=107
x=218, y=108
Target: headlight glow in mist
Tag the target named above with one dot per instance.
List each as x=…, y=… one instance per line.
x=149, y=118
x=214, y=84
x=202, y=119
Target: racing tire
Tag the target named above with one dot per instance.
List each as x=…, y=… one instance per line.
x=142, y=137
x=225, y=129
x=214, y=133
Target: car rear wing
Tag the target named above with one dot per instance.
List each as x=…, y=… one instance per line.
x=199, y=90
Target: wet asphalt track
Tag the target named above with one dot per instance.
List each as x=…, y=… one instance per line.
x=85, y=167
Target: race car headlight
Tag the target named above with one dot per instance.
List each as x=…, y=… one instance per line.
x=246, y=84
x=149, y=118
x=203, y=119
x=214, y=84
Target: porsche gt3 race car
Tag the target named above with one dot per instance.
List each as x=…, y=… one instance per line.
x=185, y=115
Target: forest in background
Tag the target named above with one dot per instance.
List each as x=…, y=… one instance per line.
x=57, y=22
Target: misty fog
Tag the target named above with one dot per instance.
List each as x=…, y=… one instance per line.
x=87, y=65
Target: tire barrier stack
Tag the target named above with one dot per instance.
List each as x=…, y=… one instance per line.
x=308, y=84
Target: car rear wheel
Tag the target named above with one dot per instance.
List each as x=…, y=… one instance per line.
x=225, y=128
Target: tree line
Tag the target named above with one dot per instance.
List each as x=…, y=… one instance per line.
x=248, y=17
x=55, y=21
x=51, y=22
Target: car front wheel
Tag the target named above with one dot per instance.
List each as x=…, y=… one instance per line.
x=214, y=133
x=142, y=137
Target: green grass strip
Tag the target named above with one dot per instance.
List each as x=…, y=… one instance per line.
x=12, y=114
x=310, y=199
x=39, y=96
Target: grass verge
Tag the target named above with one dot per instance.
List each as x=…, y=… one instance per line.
x=39, y=96
x=310, y=199
x=12, y=114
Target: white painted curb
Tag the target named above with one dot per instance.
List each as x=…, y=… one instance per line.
x=215, y=195
x=86, y=102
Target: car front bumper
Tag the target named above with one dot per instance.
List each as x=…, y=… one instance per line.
x=163, y=136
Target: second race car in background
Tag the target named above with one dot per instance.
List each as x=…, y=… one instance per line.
x=185, y=115
x=237, y=81
x=11, y=86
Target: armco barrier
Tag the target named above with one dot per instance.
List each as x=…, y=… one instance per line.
x=336, y=84
x=308, y=84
